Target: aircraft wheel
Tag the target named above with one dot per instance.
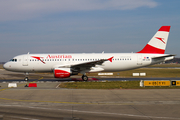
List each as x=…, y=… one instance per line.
x=85, y=78
x=26, y=78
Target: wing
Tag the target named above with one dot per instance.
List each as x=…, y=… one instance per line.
x=85, y=65
x=89, y=65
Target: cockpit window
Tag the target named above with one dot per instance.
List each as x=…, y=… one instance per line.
x=13, y=60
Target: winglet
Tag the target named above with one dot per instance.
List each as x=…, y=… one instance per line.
x=110, y=59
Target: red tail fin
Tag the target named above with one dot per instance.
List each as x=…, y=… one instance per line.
x=157, y=44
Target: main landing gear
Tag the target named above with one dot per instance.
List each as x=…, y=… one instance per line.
x=85, y=78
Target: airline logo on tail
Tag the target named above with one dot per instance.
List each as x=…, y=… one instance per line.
x=161, y=39
x=157, y=44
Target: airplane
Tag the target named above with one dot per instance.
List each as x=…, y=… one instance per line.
x=65, y=65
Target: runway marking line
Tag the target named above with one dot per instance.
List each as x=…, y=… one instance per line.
x=24, y=118
x=49, y=101
x=85, y=103
x=37, y=80
x=4, y=89
x=58, y=85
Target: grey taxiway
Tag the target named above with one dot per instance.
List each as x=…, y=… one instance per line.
x=47, y=101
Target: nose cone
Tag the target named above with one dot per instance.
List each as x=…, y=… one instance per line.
x=5, y=66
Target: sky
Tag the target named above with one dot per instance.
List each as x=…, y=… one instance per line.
x=85, y=26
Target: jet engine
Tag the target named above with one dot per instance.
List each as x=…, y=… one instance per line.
x=62, y=72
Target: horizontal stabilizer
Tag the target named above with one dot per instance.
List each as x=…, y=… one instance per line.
x=162, y=56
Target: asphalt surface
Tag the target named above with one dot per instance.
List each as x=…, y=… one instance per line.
x=49, y=102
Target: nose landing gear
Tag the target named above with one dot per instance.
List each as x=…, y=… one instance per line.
x=26, y=76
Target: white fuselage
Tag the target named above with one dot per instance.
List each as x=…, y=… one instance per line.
x=48, y=62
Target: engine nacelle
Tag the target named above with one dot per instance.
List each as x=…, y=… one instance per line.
x=62, y=72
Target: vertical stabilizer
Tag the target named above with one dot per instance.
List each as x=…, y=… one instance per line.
x=158, y=42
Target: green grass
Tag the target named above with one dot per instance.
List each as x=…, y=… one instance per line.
x=165, y=65
x=153, y=72
x=110, y=85
x=150, y=72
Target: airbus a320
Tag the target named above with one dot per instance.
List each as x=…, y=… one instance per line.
x=65, y=65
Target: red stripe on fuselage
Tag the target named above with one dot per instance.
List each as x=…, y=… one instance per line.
x=150, y=49
x=165, y=28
